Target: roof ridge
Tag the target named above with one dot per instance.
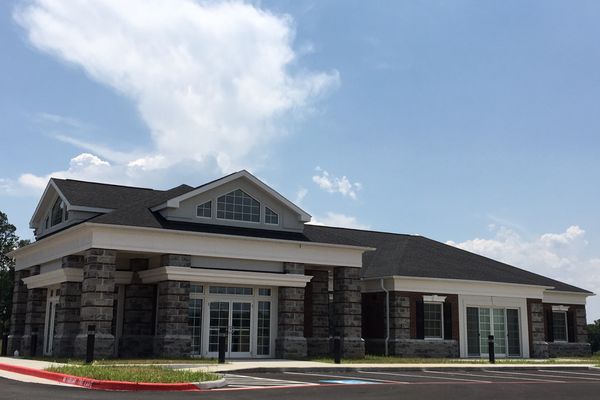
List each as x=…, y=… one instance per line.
x=107, y=184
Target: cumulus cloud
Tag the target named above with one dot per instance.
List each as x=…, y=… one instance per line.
x=333, y=184
x=339, y=220
x=557, y=255
x=213, y=81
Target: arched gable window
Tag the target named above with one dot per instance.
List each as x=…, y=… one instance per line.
x=57, y=215
x=238, y=206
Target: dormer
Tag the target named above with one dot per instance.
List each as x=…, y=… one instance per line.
x=239, y=199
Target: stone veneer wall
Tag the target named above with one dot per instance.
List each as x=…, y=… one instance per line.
x=347, y=310
x=19, y=309
x=316, y=306
x=34, y=318
x=540, y=348
x=139, y=314
x=97, y=298
x=290, y=341
x=66, y=323
x=173, y=333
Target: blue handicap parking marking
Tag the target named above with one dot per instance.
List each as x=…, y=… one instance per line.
x=347, y=381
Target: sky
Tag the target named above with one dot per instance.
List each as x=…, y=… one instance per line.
x=475, y=123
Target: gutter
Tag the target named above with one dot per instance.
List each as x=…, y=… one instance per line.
x=387, y=315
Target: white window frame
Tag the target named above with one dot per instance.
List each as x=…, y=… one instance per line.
x=260, y=206
x=564, y=313
x=211, y=209
x=441, y=305
x=265, y=216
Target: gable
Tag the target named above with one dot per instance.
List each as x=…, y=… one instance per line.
x=239, y=201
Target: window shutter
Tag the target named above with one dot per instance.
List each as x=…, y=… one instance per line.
x=420, y=319
x=448, y=321
x=571, y=326
x=549, y=326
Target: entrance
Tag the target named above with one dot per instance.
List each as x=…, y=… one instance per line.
x=234, y=318
x=51, y=303
x=503, y=323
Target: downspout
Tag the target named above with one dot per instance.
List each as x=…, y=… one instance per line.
x=387, y=315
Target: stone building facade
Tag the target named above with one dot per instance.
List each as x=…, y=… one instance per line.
x=164, y=273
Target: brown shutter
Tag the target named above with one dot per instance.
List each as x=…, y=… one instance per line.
x=420, y=319
x=549, y=326
x=571, y=326
x=448, y=320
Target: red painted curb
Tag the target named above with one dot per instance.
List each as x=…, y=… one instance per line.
x=97, y=384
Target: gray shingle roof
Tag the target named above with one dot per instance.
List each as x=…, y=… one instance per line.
x=395, y=254
x=418, y=256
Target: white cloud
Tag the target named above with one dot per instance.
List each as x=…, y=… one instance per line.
x=300, y=195
x=213, y=81
x=340, y=220
x=556, y=255
x=333, y=184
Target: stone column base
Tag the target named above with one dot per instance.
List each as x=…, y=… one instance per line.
x=318, y=347
x=290, y=347
x=353, y=348
x=173, y=346
x=26, y=345
x=14, y=343
x=104, y=346
x=133, y=346
x=63, y=346
x=423, y=348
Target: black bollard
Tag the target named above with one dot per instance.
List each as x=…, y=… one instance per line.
x=34, y=340
x=4, y=350
x=222, y=345
x=91, y=339
x=491, y=350
x=337, y=349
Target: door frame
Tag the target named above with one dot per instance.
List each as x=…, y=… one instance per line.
x=52, y=299
x=517, y=303
x=206, y=323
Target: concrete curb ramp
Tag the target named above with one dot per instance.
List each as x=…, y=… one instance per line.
x=97, y=384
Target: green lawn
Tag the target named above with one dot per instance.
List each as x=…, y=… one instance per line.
x=126, y=361
x=372, y=359
x=149, y=374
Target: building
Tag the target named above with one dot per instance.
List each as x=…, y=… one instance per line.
x=162, y=273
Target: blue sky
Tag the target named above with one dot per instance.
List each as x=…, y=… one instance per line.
x=470, y=122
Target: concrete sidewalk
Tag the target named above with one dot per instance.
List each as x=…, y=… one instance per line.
x=29, y=364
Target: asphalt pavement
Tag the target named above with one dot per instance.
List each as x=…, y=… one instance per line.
x=426, y=384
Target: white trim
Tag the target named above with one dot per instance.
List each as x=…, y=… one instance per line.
x=560, y=308
x=552, y=296
x=455, y=286
x=174, y=202
x=54, y=277
x=69, y=275
x=89, y=209
x=52, y=184
x=434, y=298
x=204, y=275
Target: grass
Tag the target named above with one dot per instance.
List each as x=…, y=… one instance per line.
x=130, y=361
x=150, y=374
x=374, y=359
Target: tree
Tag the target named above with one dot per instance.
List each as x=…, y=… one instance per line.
x=594, y=335
x=8, y=242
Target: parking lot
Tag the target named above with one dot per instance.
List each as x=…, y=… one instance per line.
x=424, y=377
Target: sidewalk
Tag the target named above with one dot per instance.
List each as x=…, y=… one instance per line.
x=29, y=364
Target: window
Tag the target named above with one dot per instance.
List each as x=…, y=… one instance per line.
x=433, y=321
x=271, y=217
x=264, y=291
x=238, y=206
x=204, y=210
x=58, y=212
x=263, y=337
x=245, y=291
x=559, y=326
x=47, y=222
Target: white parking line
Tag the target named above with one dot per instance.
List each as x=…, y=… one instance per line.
x=423, y=376
x=488, y=376
x=344, y=377
x=526, y=374
x=575, y=373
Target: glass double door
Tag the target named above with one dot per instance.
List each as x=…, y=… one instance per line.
x=234, y=319
x=502, y=323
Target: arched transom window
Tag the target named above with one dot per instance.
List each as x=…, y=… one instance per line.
x=238, y=206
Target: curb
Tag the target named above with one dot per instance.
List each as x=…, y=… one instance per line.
x=97, y=384
x=407, y=369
